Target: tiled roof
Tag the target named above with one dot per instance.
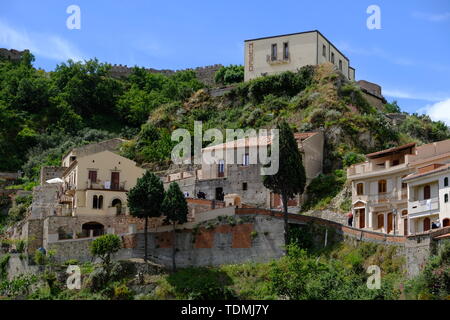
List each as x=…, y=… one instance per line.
x=391, y=150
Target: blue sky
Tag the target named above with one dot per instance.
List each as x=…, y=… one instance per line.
x=409, y=56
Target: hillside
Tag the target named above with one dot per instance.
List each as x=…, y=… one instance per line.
x=45, y=114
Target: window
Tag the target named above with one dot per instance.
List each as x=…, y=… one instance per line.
x=92, y=176
x=426, y=192
x=274, y=52
x=95, y=202
x=286, y=51
x=340, y=65
x=324, y=51
x=360, y=189
x=446, y=198
x=332, y=57
x=382, y=186
x=100, y=202
x=244, y=186
x=404, y=212
x=446, y=182
x=221, y=168
x=246, y=159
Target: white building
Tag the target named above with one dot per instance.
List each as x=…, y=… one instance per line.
x=428, y=198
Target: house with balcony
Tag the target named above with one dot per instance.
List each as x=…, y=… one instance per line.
x=380, y=194
x=95, y=184
x=428, y=198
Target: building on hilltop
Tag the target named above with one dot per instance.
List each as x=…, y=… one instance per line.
x=389, y=194
x=290, y=52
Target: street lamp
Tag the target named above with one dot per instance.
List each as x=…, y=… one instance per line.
x=394, y=212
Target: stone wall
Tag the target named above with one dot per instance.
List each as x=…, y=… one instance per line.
x=13, y=55
x=204, y=74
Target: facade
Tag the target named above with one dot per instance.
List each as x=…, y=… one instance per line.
x=428, y=198
x=96, y=184
x=242, y=178
x=380, y=192
x=290, y=52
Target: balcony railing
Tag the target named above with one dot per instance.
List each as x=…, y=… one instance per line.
x=105, y=185
x=423, y=205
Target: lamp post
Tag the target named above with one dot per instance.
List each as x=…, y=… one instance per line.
x=394, y=212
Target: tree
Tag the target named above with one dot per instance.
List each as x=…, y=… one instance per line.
x=229, y=75
x=392, y=107
x=291, y=177
x=104, y=246
x=175, y=209
x=145, y=201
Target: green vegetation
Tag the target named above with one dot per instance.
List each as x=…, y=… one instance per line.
x=145, y=201
x=290, y=179
x=105, y=246
x=175, y=209
x=229, y=75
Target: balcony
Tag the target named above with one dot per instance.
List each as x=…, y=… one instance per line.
x=370, y=168
x=423, y=206
x=105, y=185
x=275, y=61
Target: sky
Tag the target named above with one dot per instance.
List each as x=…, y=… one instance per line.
x=409, y=56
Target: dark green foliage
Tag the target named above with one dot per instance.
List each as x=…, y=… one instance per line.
x=105, y=246
x=323, y=188
x=175, y=209
x=351, y=158
x=422, y=128
x=145, y=200
x=229, y=75
x=201, y=284
x=392, y=107
x=290, y=179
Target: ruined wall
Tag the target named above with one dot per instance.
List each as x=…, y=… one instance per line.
x=257, y=239
x=204, y=74
x=45, y=201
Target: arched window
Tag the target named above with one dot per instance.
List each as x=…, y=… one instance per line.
x=445, y=182
x=95, y=202
x=446, y=222
x=360, y=189
x=100, y=202
x=382, y=186
x=426, y=192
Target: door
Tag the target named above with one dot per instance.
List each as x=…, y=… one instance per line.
x=115, y=180
x=426, y=224
x=389, y=222
x=405, y=227
x=362, y=218
x=219, y=194
x=426, y=192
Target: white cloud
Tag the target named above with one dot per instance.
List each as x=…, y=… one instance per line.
x=49, y=46
x=427, y=96
x=432, y=17
x=439, y=111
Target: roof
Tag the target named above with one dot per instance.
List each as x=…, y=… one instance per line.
x=382, y=153
x=109, y=144
x=256, y=141
x=298, y=33
x=423, y=174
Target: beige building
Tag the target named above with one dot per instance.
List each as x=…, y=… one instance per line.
x=290, y=52
x=96, y=182
x=379, y=188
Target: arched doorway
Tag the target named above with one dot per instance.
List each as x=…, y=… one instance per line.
x=94, y=229
x=362, y=218
x=446, y=222
x=117, y=203
x=426, y=224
